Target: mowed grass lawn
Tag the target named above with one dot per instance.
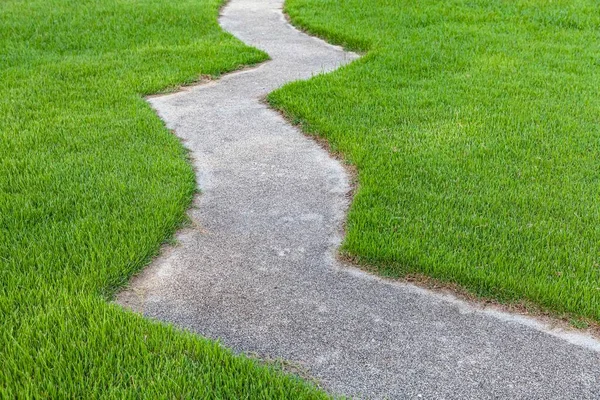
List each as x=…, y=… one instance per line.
x=475, y=129
x=91, y=183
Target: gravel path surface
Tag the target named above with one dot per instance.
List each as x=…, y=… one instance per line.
x=258, y=269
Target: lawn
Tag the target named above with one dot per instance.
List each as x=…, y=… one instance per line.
x=474, y=127
x=91, y=183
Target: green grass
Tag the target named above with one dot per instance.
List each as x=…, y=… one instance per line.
x=91, y=183
x=474, y=126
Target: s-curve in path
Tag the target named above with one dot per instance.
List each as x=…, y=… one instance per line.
x=258, y=270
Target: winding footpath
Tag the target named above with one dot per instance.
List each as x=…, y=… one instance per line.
x=257, y=269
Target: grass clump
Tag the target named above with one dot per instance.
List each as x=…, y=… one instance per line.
x=91, y=183
x=474, y=127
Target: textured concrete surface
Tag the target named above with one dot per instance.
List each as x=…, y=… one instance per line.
x=257, y=270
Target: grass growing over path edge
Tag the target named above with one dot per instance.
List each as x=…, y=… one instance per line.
x=91, y=183
x=413, y=48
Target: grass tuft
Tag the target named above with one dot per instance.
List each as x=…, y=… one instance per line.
x=473, y=125
x=91, y=183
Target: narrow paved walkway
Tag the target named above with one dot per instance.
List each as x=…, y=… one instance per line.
x=258, y=269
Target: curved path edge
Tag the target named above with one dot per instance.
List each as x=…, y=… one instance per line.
x=257, y=269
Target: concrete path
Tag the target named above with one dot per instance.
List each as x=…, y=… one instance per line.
x=258, y=271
